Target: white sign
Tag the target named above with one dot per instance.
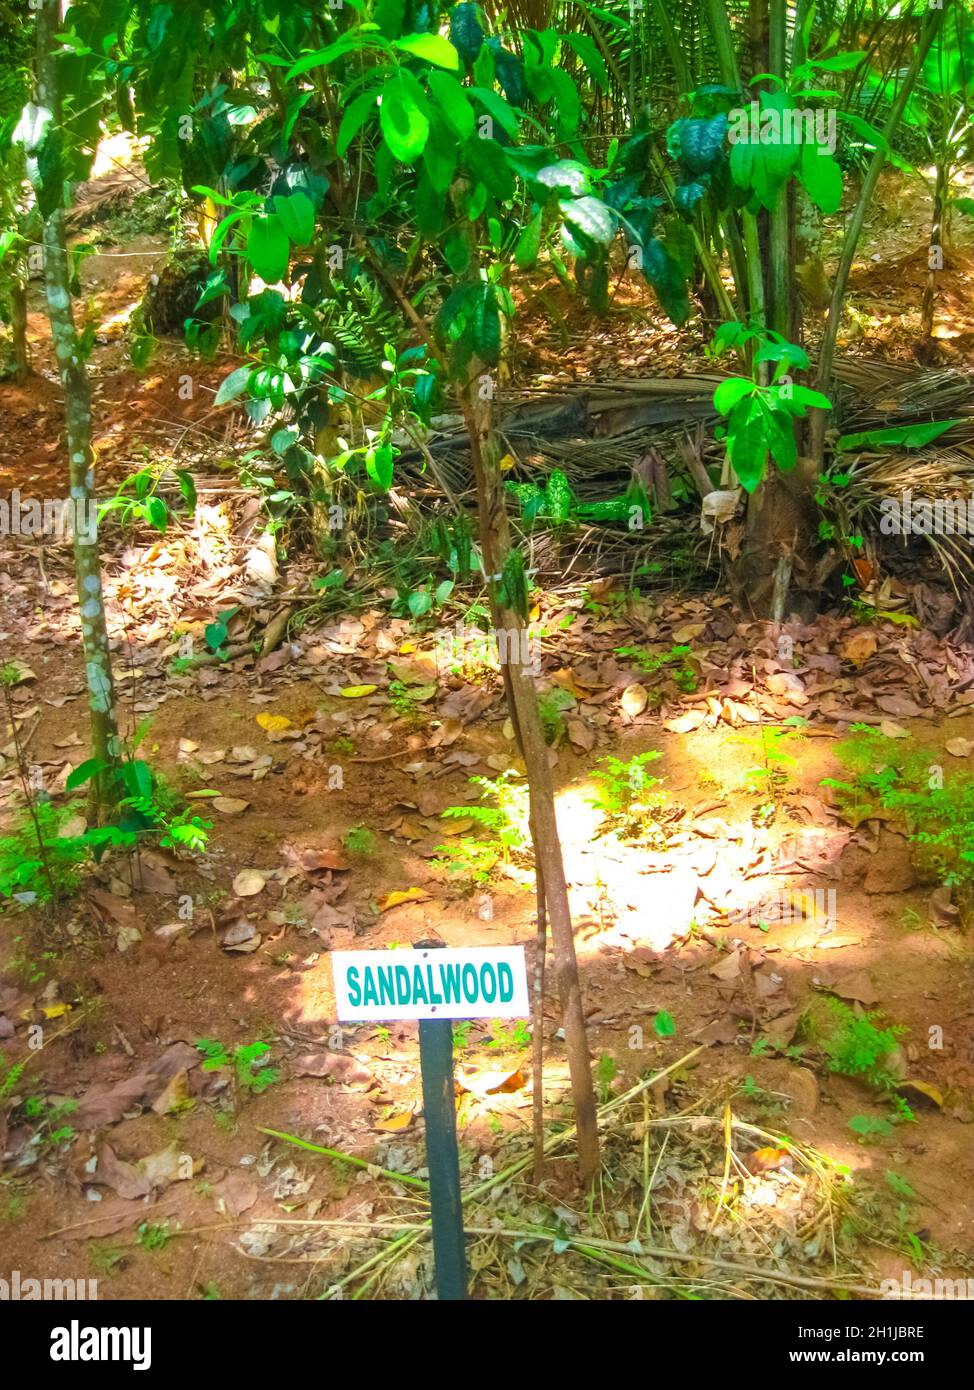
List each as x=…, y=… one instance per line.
x=468, y=982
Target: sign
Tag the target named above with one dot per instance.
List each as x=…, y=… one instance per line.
x=465, y=982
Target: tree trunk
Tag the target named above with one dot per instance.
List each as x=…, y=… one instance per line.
x=495, y=544
x=42, y=122
x=936, y=251
x=18, y=330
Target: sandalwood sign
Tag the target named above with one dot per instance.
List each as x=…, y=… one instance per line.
x=468, y=982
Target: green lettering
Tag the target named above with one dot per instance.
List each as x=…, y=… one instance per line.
x=487, y=977
x=387, y=994
x=402, y=985
x=354, y=988
x=505, y=979
x=419, y=989
x=470, y=984
x=434, y=997
x=450, y=983
x=369, y=995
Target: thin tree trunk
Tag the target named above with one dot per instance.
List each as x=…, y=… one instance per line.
x=18, y=330
x=495, y=544
x=43, y=120
x=936, y=247
x=782, y=270
x=823, y=380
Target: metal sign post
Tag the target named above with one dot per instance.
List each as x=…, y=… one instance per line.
x=438, y=985
x=442, y=1155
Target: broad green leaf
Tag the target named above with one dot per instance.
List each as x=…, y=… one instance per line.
x=83, y=773
x=357, y=113
x=909, y=436
x=528, y=243
x=729, y=392
x=498, y=109
x=297, y=215
x=232, y=386
x=746, y=445
x=379, y=466
x=591, y=216
x=405, y=124
x=432, y=48
x=268, y=247
x=822, y=178
x=487, y=326
x=453, y=102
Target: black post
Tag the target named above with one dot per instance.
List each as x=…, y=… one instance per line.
x=442, y=1158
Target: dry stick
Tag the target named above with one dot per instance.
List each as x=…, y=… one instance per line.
x=345, y=1158
x=495, y=541
x=537, y=1037
x=25, y=783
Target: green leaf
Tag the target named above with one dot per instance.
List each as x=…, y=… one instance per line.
x=83, y=773
x=779, y=436
x=354, y=119
x=268, y=247
x=419, y=603
x=405, y=124
x=590, y=216
x=746, y=444
x=909, y=436
x=498, y=110
x=586, y=48
x=568, y=176
x=821, y=177
x=729, y=392
x=432, y=48
x=297, y=215
x=440, y=155
x=157, y=513
x=453, y=102
x=187, y=486
x=528, y=243
x=487, y=326
x=233, y=385
x=379, y=466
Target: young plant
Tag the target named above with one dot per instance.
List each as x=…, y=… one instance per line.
x=507, y=819
x=760, y=413
x=247, y=1063
x=360, y=841
x=937, y=809
x=675, y=662
x=624, y=793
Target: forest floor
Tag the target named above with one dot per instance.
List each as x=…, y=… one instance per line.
x=699, y=934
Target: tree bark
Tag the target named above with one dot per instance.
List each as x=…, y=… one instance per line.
x=73, y=375
x=936, y=244
x=18, y=330
x=495, y=544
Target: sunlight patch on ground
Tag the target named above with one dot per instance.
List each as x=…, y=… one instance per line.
x=114, y=150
